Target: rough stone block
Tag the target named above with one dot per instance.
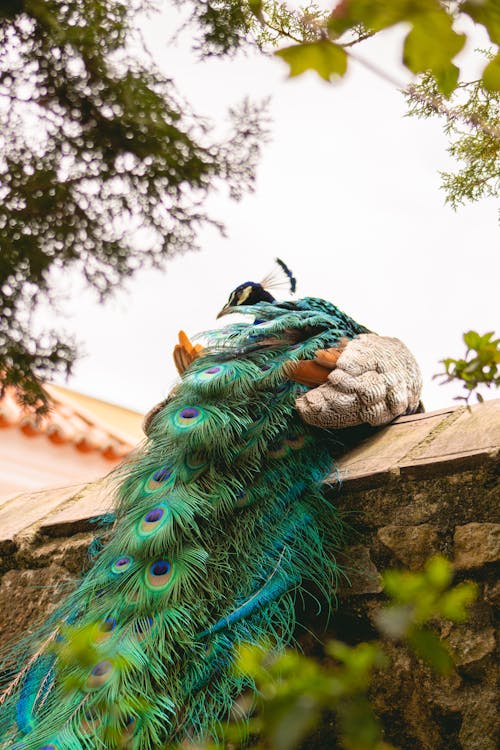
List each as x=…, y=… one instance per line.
x=469, y=646
x=412, y=545
x=476, y=544
x=361, y=575
x=71, y=553
x=28, y=597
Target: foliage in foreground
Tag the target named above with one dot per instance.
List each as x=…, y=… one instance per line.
x=103, y=167
x=294, y=691
x=480, y=366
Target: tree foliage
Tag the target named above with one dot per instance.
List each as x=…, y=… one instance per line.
x=102, y=165
x=321, y=40
x=479, y=366
x=471, y=121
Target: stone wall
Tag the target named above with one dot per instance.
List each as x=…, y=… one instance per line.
x=425, y=484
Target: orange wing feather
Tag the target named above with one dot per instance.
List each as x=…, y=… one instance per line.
x=314, y=372
x=185, y=353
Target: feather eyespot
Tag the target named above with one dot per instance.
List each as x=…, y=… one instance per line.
x=190, y=413
x=100, y=674
x=107, y=625
x=223, y=374
x=154, y=515
x=279, y=449
x=188, y=417
x=90, y=722
x=282, y=388
x=130, y=727
x=105, y=629
x=282, y=391
x=295, y=440
x=159, y=479
x=48, y=747
x=153, y=520
x=194, y=464
x=159, y=574
x=122, y=564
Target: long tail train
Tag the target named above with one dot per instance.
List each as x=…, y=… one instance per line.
x=219, y=520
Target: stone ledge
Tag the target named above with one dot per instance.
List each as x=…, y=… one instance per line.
x=418, y=446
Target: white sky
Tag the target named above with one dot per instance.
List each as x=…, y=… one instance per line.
x=347, y=194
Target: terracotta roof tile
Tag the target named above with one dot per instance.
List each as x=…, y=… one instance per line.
x=64, y=425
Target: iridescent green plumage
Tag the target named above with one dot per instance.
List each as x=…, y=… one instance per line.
x=220, y=518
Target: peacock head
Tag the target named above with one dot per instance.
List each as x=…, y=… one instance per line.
x=249, y=293
x=252, y=292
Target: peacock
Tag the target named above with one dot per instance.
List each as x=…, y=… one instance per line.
x=220, y=519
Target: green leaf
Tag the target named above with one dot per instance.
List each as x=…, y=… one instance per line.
x=439, y=572
x=256, y=6
x=454, y=603
x=447, y=79
x=324, y=57
x=491, y=75
x=374, y=15
x=487, y=13
x=432, y=650
x=472, y=339
x=291, y=720
x=431, y=45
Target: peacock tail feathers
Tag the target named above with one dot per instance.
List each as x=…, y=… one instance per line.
x=219, y=520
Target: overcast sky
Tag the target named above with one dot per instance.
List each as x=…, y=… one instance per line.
x=347, y=193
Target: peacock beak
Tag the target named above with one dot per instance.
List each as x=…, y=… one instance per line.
x=225, y=310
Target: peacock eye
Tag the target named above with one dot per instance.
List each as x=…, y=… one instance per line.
x=107, y=625
x=160, y=568
x=159, y=574
x=154, y=515
x=122, y=564
x=162, y=475
x=159, y=479
x=130, y=725
x=189, y=413
x=188, y=417
x=100, y=674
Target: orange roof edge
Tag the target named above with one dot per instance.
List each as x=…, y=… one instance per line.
x=120, y=422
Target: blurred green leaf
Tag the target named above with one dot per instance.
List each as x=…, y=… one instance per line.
x=491, y=75
x=432, y=650
x=431, y=44
x=439, y=572
x=325, y=58
x=480, y=366
x=454, y=604
x=487, y=13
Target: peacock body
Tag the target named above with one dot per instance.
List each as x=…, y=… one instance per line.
x=220, y=517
